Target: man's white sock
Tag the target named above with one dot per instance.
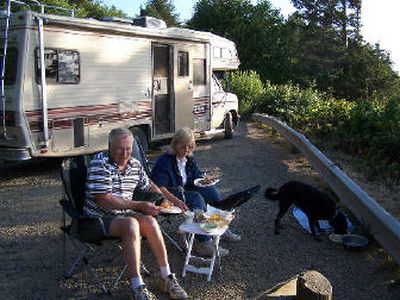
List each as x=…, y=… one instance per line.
x=136, y=282
x=165, y=271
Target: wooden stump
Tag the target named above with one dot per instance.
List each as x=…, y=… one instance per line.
x=312, y=285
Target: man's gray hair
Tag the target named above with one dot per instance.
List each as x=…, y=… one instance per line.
x=119, y=132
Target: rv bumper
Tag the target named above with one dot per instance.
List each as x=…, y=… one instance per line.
x=14, y=154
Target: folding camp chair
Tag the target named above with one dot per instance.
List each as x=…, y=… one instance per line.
x=140, y=155
x=86, y=234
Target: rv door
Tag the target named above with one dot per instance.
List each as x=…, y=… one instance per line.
x=163, y=105
x=183, y=87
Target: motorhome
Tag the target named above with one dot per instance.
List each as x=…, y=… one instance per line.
x=66, y=82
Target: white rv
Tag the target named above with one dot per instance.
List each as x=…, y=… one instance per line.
x=68, y=81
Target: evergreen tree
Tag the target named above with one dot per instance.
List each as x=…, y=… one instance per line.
x=257, y=30
x=161, y=9
x=329, y=51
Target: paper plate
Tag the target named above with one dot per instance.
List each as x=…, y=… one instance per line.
x=200, y=182
x=171, y=210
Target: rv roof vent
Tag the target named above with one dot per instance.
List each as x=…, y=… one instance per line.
x=117, y=20
x=149, y=22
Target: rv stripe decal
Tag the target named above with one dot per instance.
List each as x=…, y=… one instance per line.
x=62, y=117
x=215, y=103
x=200, y=107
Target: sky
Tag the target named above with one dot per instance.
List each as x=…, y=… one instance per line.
x=379, y=19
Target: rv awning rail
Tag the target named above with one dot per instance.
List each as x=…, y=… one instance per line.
x=127, y=29
x=43, y=7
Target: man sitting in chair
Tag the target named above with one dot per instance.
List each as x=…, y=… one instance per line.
x=112, y=179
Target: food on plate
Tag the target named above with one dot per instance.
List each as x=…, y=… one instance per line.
x=215, y=218
x=169, y=208
x=208, y=179
x=218, y=220
x=166, y=204
x=199, y=216
x=208, y=227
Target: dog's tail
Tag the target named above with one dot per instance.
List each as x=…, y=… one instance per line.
x=271, y=194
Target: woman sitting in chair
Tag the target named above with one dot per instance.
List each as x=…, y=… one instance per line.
x=175, y=172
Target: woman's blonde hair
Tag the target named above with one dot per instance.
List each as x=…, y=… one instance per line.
x=183, y=135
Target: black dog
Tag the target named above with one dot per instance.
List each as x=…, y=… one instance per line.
x=314, y=203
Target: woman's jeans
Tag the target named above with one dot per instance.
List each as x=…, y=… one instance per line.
x=198, y=198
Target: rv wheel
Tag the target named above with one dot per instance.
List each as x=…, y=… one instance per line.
x=228, y=126
x=141, y=138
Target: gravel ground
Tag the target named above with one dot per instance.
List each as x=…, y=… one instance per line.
x=31, y=241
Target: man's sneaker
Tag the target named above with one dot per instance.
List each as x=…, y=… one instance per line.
x=230, y=236
x=206, y=249
x=142, y=293
x=171, y=286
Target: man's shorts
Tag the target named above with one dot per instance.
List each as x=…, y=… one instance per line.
x=107, y=220
x=107, y=223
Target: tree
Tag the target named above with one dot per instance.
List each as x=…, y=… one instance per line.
x=329, y=52
x=339, y=16
x=257, y=30
x=161, y=9
x=86, y=8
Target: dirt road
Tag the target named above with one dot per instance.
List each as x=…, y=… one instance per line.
x=31, y=241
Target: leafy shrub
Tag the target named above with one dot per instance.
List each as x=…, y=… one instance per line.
x=367, y=128
x=248, y=87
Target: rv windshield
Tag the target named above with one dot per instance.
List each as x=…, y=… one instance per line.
x=11, y=65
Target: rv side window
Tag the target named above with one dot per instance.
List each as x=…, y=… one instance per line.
x=10, y=72
x=199, y=71
x=62, y=66
x=183, y=63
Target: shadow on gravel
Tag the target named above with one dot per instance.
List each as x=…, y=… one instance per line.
x=10, y=170
x=31, y=241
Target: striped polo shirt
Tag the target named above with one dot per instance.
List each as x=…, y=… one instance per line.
x=105, y=177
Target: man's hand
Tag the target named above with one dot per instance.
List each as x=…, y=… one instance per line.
x=175, y=201
x=147, y=208
x=179, y=203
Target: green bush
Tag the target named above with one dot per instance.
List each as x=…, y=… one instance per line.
x=367, y=128
x=248, y=87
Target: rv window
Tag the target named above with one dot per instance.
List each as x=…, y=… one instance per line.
x=217, y=52
x=183, y=63
x=68, y=66
x=225, y=53
x=62, y=66
x=11, y=66
x=199, y=71
x=161, y=61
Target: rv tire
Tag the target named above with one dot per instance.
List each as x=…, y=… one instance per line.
x=141, y=137
x=228, y=126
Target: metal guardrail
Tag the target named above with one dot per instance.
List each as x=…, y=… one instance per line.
x=382, y=225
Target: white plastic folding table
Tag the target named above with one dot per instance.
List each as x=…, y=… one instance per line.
x=192, y=229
